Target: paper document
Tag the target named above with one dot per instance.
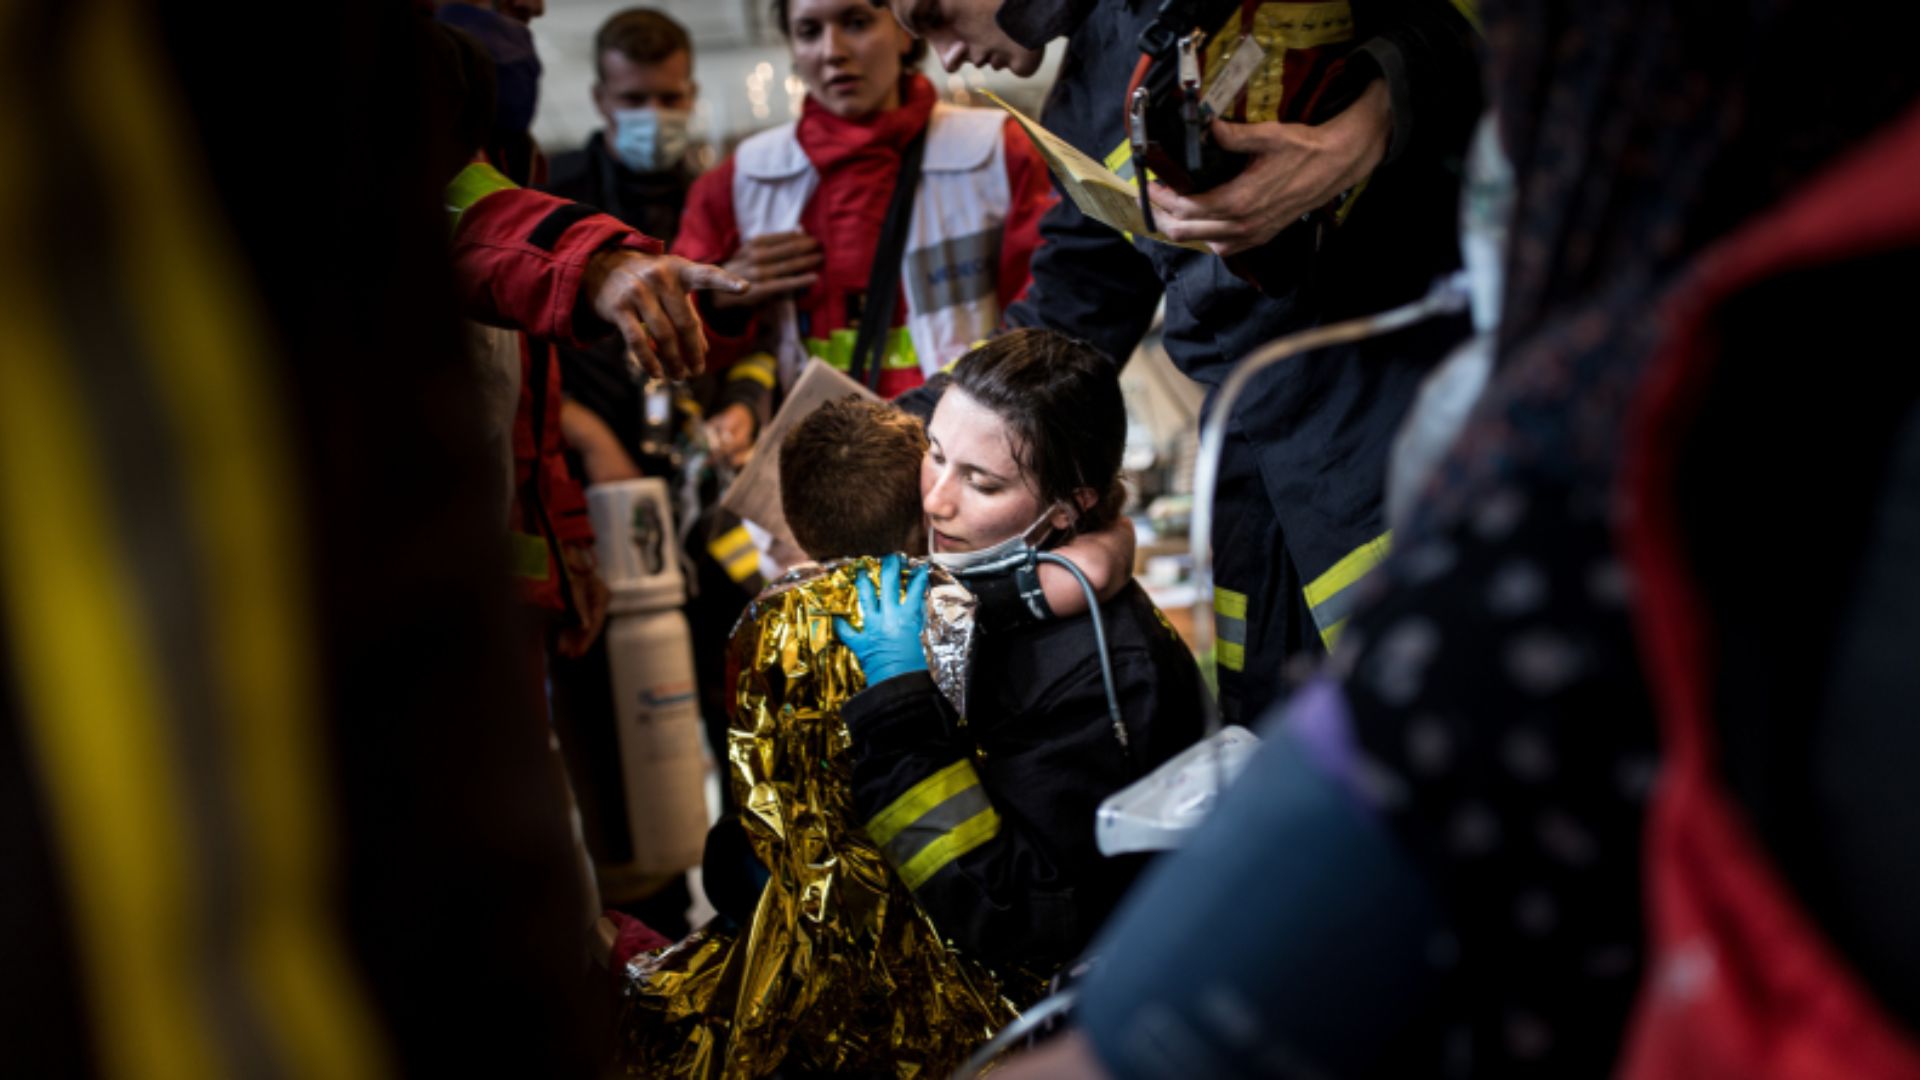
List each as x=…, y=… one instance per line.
x=1093, y=187
x=755, y=493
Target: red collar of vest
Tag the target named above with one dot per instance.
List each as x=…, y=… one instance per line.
x=829, y=139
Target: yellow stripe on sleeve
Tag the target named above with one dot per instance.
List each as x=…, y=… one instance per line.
x=730, y=543
x=756, y=368
x=1351, y=568
x=199, y=326
x=919, y=799
x=933, y=858
x=90, y=703
x=473, y=183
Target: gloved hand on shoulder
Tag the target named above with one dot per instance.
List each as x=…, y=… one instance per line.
x=888, y=641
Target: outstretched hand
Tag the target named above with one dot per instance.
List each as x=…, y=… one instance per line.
x=888, y=642
x=648, y=299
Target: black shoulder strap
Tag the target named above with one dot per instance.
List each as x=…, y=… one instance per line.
x=883, y=282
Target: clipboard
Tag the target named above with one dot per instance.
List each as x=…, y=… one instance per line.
x=755, y=493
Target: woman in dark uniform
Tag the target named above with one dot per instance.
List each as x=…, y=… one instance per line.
x=989, y=819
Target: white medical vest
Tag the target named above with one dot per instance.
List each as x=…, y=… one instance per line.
x=949, y=275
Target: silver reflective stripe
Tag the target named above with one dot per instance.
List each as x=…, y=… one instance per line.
x=957, y=270
x=1228, y=628
x=1334, y=608
x=935, y=823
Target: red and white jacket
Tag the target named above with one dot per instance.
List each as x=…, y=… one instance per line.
x=975, y=226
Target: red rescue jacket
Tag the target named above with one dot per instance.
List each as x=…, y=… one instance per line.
x=519, y=256
x=549, y=508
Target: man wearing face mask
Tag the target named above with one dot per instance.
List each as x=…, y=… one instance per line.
x=636, y=167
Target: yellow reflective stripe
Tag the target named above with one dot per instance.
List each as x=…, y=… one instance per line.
x=947, y=368
x=735, y=553
x=207, y=350
x=741, y=566
x=966, y=836
x=1352, y=200
x=1330, y=596
x=901, y=355
x=98, y=713
x=1351, y=568
x=1231, y=604
x=527, y=554
x=730, y=543
x=475, y=182
x=919, y=799
x=757, y=368
x=90, y=703
x=837, y=350
x=1230, y=655
x=1229, y=629
x=1470, y=9
x=1279, y=27
x=1120, y=161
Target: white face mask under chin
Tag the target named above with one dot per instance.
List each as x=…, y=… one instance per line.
x=1007, y=553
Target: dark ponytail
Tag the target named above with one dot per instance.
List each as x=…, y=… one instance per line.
x=1060, y=399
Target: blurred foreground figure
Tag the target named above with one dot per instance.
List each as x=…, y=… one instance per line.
x=1782, y=883
x=1444, y=841
x=275, y=804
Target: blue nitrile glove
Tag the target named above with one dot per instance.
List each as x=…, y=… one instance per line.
x=889, y=644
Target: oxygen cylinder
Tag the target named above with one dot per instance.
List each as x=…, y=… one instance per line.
x=650, y=651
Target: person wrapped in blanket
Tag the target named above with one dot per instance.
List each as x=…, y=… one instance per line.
x=900, y=878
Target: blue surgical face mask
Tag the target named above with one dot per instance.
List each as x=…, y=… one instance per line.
x=649, y=139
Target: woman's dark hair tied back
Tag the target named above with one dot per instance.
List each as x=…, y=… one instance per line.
x=1060, y=399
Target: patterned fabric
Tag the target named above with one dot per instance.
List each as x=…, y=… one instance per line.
x=1496, y=685
x=1507, y=737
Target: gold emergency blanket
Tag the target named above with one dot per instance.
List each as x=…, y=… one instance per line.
x=840, y=971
